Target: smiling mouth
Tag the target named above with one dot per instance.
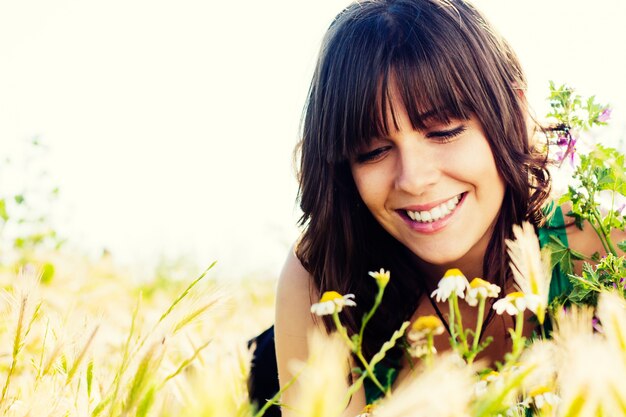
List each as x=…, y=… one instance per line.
x=435, y=213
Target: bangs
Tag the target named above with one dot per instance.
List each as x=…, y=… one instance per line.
x=381, y=62
x=418, y=80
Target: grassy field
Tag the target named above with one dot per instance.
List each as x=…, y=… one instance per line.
x=90, y=340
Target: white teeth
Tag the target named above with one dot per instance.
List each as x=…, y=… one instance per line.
x=435, y=213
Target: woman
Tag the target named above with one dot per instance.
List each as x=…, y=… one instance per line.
x=416, y=157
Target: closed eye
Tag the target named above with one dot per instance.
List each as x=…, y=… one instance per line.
x=372, y=155
x=445, y=136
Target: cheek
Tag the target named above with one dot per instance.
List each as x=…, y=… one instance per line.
x=371, y=185
x=475, y=161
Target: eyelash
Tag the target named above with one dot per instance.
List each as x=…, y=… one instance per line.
x=442, y=137
x=446, y=135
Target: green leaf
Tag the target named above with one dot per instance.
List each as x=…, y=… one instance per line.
x=562, y=255
x=622, y=245
x=19, y=198
x=3, y=210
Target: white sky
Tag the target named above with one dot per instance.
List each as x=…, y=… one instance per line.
x=171, y=124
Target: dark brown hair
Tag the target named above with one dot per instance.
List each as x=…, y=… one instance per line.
x=438, y=54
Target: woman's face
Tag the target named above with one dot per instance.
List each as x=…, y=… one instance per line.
x=437, y=190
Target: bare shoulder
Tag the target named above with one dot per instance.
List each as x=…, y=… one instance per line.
x=293, y=300
x=293, y=324
x=293, y=319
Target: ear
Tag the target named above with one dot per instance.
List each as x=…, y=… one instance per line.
x=529, y=117
x=520, y=90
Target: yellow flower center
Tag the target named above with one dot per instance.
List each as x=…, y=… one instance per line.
x=453, y=272
x=330, y=296
x=539, y=391
x=515, y=295
x=491, y=374
x=479, y=283
x=427, y=324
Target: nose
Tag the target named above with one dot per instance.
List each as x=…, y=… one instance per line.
x=417, y=171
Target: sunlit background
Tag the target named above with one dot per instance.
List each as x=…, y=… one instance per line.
x=169, y=126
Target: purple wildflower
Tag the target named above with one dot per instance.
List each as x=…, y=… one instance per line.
x=567, y=149
x=595, y=323
x=562, y=140
x=610, y=201
x=605, y=115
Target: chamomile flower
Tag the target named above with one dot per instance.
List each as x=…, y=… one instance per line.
x=421, y=349
x=479, y=289
x=425, y=325
x=381, y=277
x=542, y=397
x=452, y=282
x=480, y=388
x=332, y=302
x=513, y=303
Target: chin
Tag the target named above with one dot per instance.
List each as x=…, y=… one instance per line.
x=451, y=258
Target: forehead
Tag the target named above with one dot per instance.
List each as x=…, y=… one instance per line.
x=378, y=64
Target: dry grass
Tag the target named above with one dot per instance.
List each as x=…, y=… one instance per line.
x=91, y=342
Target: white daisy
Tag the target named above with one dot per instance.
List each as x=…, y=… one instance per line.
x=452, y=281
x=425, y=325
x=332, y=302
x=420, y=349
x=514, y=303
x=542, y=397
x=479, y=289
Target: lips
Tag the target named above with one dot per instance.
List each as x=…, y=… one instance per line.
x=432, y=217
x=435, y=213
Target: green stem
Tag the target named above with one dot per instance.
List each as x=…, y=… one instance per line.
x=452, y=328
x=370, y=372
x=604, y=236
x=343, y=332
x=459, y=321
x=479, y=328
x=356, y=349
x=429, y=348
x=353, y=389
x=369, y=314
x=518, y=341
